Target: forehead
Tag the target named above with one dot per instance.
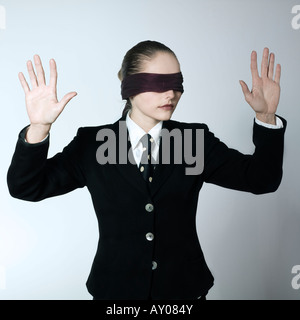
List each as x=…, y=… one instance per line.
x=162, y=62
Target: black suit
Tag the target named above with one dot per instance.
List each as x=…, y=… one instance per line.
x=122, y=268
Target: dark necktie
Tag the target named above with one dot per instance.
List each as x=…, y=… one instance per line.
x=145, y=166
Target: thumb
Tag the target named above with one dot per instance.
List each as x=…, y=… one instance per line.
x=63, y=102
x=245, y=90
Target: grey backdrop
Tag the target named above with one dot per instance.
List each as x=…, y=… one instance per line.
x=251, y=243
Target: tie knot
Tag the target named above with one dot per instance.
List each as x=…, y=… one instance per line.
x=146, y=138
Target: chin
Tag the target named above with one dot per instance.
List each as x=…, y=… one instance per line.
x=164, y=117
x=167, y=117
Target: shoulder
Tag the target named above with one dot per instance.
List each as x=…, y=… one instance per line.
x=173, y=124
x=91, y=131
x=193, y=129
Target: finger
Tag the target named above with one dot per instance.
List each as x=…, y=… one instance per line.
x=246, y=91
x=32, y=75
x=39, y=70
x=264, y=63
x=53, y=74
x=271, y=66
x=277, y=73
x=67, y=99
x=24, y=83
x=253, y=65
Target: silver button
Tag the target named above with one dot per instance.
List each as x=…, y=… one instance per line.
x=149, y=236
x=149, y=207
x=154, y=265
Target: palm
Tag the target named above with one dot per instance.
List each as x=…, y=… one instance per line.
x=265, y=94
x=42, y=105
x=41, y=100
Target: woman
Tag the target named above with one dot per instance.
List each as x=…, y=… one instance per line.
x=148, y=246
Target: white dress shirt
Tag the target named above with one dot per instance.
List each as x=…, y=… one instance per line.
x=278, y=124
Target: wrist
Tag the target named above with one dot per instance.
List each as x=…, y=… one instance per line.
x=37, y=132
x=266, y=118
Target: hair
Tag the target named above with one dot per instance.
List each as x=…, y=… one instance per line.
x=134, y=58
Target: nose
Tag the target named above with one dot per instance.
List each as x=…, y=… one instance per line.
x=170, y=94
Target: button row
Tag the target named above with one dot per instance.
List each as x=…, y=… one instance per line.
x=150, y=236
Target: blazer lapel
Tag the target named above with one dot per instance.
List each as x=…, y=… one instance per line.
x=162, y=171
x=129, y=169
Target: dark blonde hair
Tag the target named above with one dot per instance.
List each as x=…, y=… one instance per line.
x=134, y=58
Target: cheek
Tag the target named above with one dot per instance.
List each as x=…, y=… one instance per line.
x=146, y=100
x=177, y=96
x=148, y=97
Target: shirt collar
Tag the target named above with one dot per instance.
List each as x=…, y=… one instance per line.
x=136, y=132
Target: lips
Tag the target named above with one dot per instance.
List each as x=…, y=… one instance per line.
x=167, y=107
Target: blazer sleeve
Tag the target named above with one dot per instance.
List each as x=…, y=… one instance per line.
x=33, y=177
x=258, y=173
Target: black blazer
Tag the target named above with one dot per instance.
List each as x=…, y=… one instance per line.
x=122, y=268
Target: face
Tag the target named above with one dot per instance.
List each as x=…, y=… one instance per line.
x=149, y=108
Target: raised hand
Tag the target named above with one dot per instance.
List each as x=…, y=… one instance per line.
x=42, y=104
x=265, y=94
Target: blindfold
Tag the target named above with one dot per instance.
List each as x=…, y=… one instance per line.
x=150, y=82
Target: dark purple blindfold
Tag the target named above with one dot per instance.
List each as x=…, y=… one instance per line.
x=150, y=82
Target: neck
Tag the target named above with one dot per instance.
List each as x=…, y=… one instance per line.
x=143, y=121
